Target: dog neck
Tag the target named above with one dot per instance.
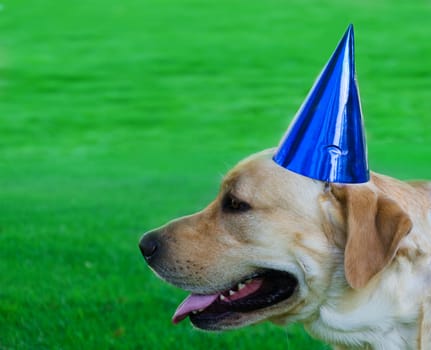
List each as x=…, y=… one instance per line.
x=385, y=315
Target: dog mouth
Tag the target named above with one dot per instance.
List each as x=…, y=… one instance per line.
x=253, y=293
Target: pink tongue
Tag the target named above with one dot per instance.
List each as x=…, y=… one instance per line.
x=193, y=302
x=196, y=302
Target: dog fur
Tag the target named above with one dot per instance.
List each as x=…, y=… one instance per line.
x=361, y=253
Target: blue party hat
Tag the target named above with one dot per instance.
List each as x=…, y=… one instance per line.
x=326, y=140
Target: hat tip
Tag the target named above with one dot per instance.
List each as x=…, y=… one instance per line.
x=350, y=33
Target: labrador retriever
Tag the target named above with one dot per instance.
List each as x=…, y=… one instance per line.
x=350, y=262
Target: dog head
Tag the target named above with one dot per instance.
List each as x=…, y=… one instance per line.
x=272, y=244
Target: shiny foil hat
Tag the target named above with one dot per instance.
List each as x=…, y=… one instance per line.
x=326, y=140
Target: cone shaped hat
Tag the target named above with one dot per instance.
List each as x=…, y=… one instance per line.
x=326, y=140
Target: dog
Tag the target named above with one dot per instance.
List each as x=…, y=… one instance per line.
x=351, y=262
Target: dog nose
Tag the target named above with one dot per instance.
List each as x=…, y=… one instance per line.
x=149, y=245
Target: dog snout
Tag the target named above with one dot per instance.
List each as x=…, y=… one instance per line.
x=150, y=246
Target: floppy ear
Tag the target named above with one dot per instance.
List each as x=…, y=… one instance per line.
x=375, y=225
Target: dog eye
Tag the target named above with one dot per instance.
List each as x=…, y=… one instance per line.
x=232, y=204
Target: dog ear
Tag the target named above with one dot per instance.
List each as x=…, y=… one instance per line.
x=374, y=226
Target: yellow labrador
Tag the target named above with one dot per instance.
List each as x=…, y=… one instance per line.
x=350, y=262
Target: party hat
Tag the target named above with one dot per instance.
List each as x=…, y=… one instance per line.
x=326, y=140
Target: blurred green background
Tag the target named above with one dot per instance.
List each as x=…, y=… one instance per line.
x=116, y=116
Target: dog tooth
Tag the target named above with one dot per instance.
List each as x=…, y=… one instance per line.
x=194, y=312
x=241, y=286
x=231, y=292
x=200, y=310
x=222, y=297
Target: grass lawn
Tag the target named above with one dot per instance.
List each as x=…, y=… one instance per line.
x=116, y=116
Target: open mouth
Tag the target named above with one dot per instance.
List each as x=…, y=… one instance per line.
x=253, y=293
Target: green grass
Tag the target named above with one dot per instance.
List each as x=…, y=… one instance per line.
x=116, y=116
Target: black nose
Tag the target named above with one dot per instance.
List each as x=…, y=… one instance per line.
x=149, y=246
